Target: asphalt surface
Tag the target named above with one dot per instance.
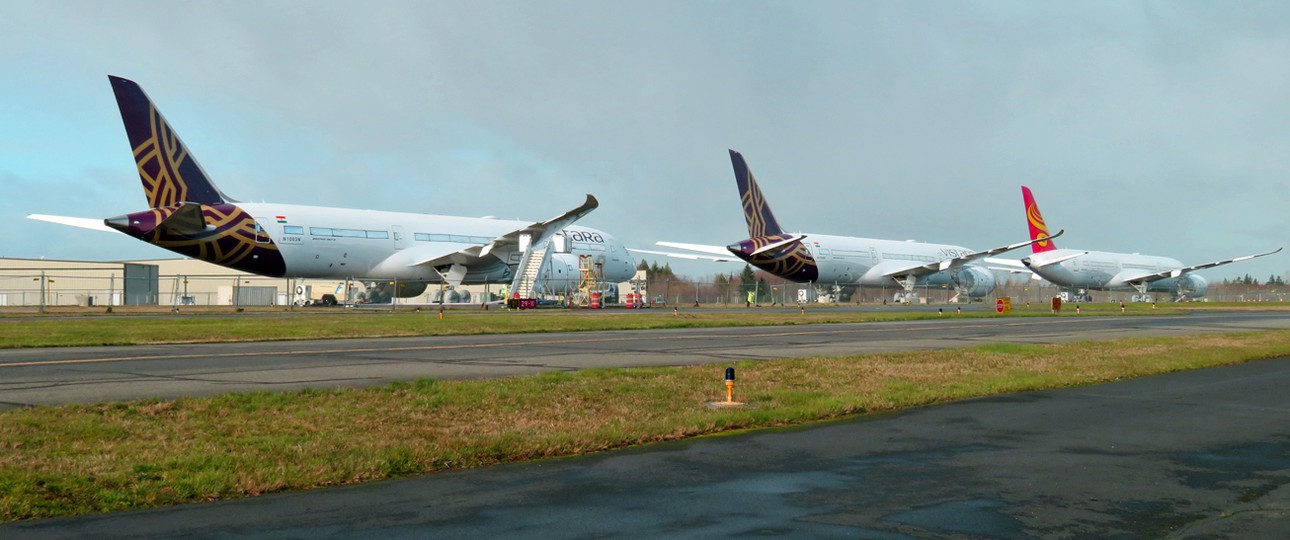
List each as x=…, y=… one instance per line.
x=1198, y=454
x=92, y=374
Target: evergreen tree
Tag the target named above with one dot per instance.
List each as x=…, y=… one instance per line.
x=747, y=279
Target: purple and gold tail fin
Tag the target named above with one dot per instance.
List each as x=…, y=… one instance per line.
x=767, y=246
x=761, y=222
x=169, y=172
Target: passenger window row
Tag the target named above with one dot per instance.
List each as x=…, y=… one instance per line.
x=382, y=235
x=341, y=233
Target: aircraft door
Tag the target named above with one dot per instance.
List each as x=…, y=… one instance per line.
x=399, y=241
x=261, y=235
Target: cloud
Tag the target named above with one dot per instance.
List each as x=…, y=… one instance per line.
x=1145, y=127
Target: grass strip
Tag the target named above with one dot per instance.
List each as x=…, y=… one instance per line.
x=78, y=459
x=112, y=330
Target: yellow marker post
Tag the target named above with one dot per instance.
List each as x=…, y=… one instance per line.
x=730, y=385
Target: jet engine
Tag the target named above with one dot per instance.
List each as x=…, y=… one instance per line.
x=379, y=292
x=1192, y=286
x=974, y=281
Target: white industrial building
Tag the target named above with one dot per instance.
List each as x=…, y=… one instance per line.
x=178, y=282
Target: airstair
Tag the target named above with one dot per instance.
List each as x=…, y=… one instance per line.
x=530, y=270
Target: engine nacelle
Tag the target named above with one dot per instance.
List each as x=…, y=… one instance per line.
x=1192, y=286
x=379, y=292
x=974, y=281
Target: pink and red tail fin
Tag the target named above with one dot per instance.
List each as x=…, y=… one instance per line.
x=1035, y=220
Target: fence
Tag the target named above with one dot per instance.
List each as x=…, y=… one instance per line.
x=679, y=291
x=117, y=286
x=114, y=287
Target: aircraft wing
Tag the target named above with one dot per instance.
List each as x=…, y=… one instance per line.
x=460, y=256
x=1007, y=265
x=686, y=256
x=439, y=254
x=84, y=223
x=1154, y=276
x=955, y=262
x=538, y=232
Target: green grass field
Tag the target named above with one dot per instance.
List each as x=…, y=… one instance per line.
x=78, y=459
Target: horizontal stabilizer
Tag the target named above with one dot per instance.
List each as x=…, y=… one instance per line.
x=185, y=220
x=775, y=245
x=84, y=223
x=701, y=248
x=686, y=256
x=1039, y=261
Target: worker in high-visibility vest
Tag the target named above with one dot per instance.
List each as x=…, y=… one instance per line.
x=751, y=297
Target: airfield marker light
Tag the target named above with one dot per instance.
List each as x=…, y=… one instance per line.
x=730, y=385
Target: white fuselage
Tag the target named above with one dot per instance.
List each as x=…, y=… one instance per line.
x=321, y=242
x=1101, y=270
x=865, y=261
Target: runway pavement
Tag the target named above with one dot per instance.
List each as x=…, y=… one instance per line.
x=1198, y=454
x=93, y=374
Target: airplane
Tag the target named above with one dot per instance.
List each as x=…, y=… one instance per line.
x=846, y=260
x=1081, y=271
x=396, y=253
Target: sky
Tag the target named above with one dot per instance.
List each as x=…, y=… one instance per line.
x=1152, y=127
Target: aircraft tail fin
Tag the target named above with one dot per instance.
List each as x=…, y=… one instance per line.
x=170, y=174
x=1035, y=220
x=761, y=222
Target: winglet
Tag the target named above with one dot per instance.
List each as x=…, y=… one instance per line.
x=761, y=222
x=1035, y=220
x=170, y=174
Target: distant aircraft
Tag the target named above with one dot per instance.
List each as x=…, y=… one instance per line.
x=188, y=215
x=1081, y=271
x=846, y=260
